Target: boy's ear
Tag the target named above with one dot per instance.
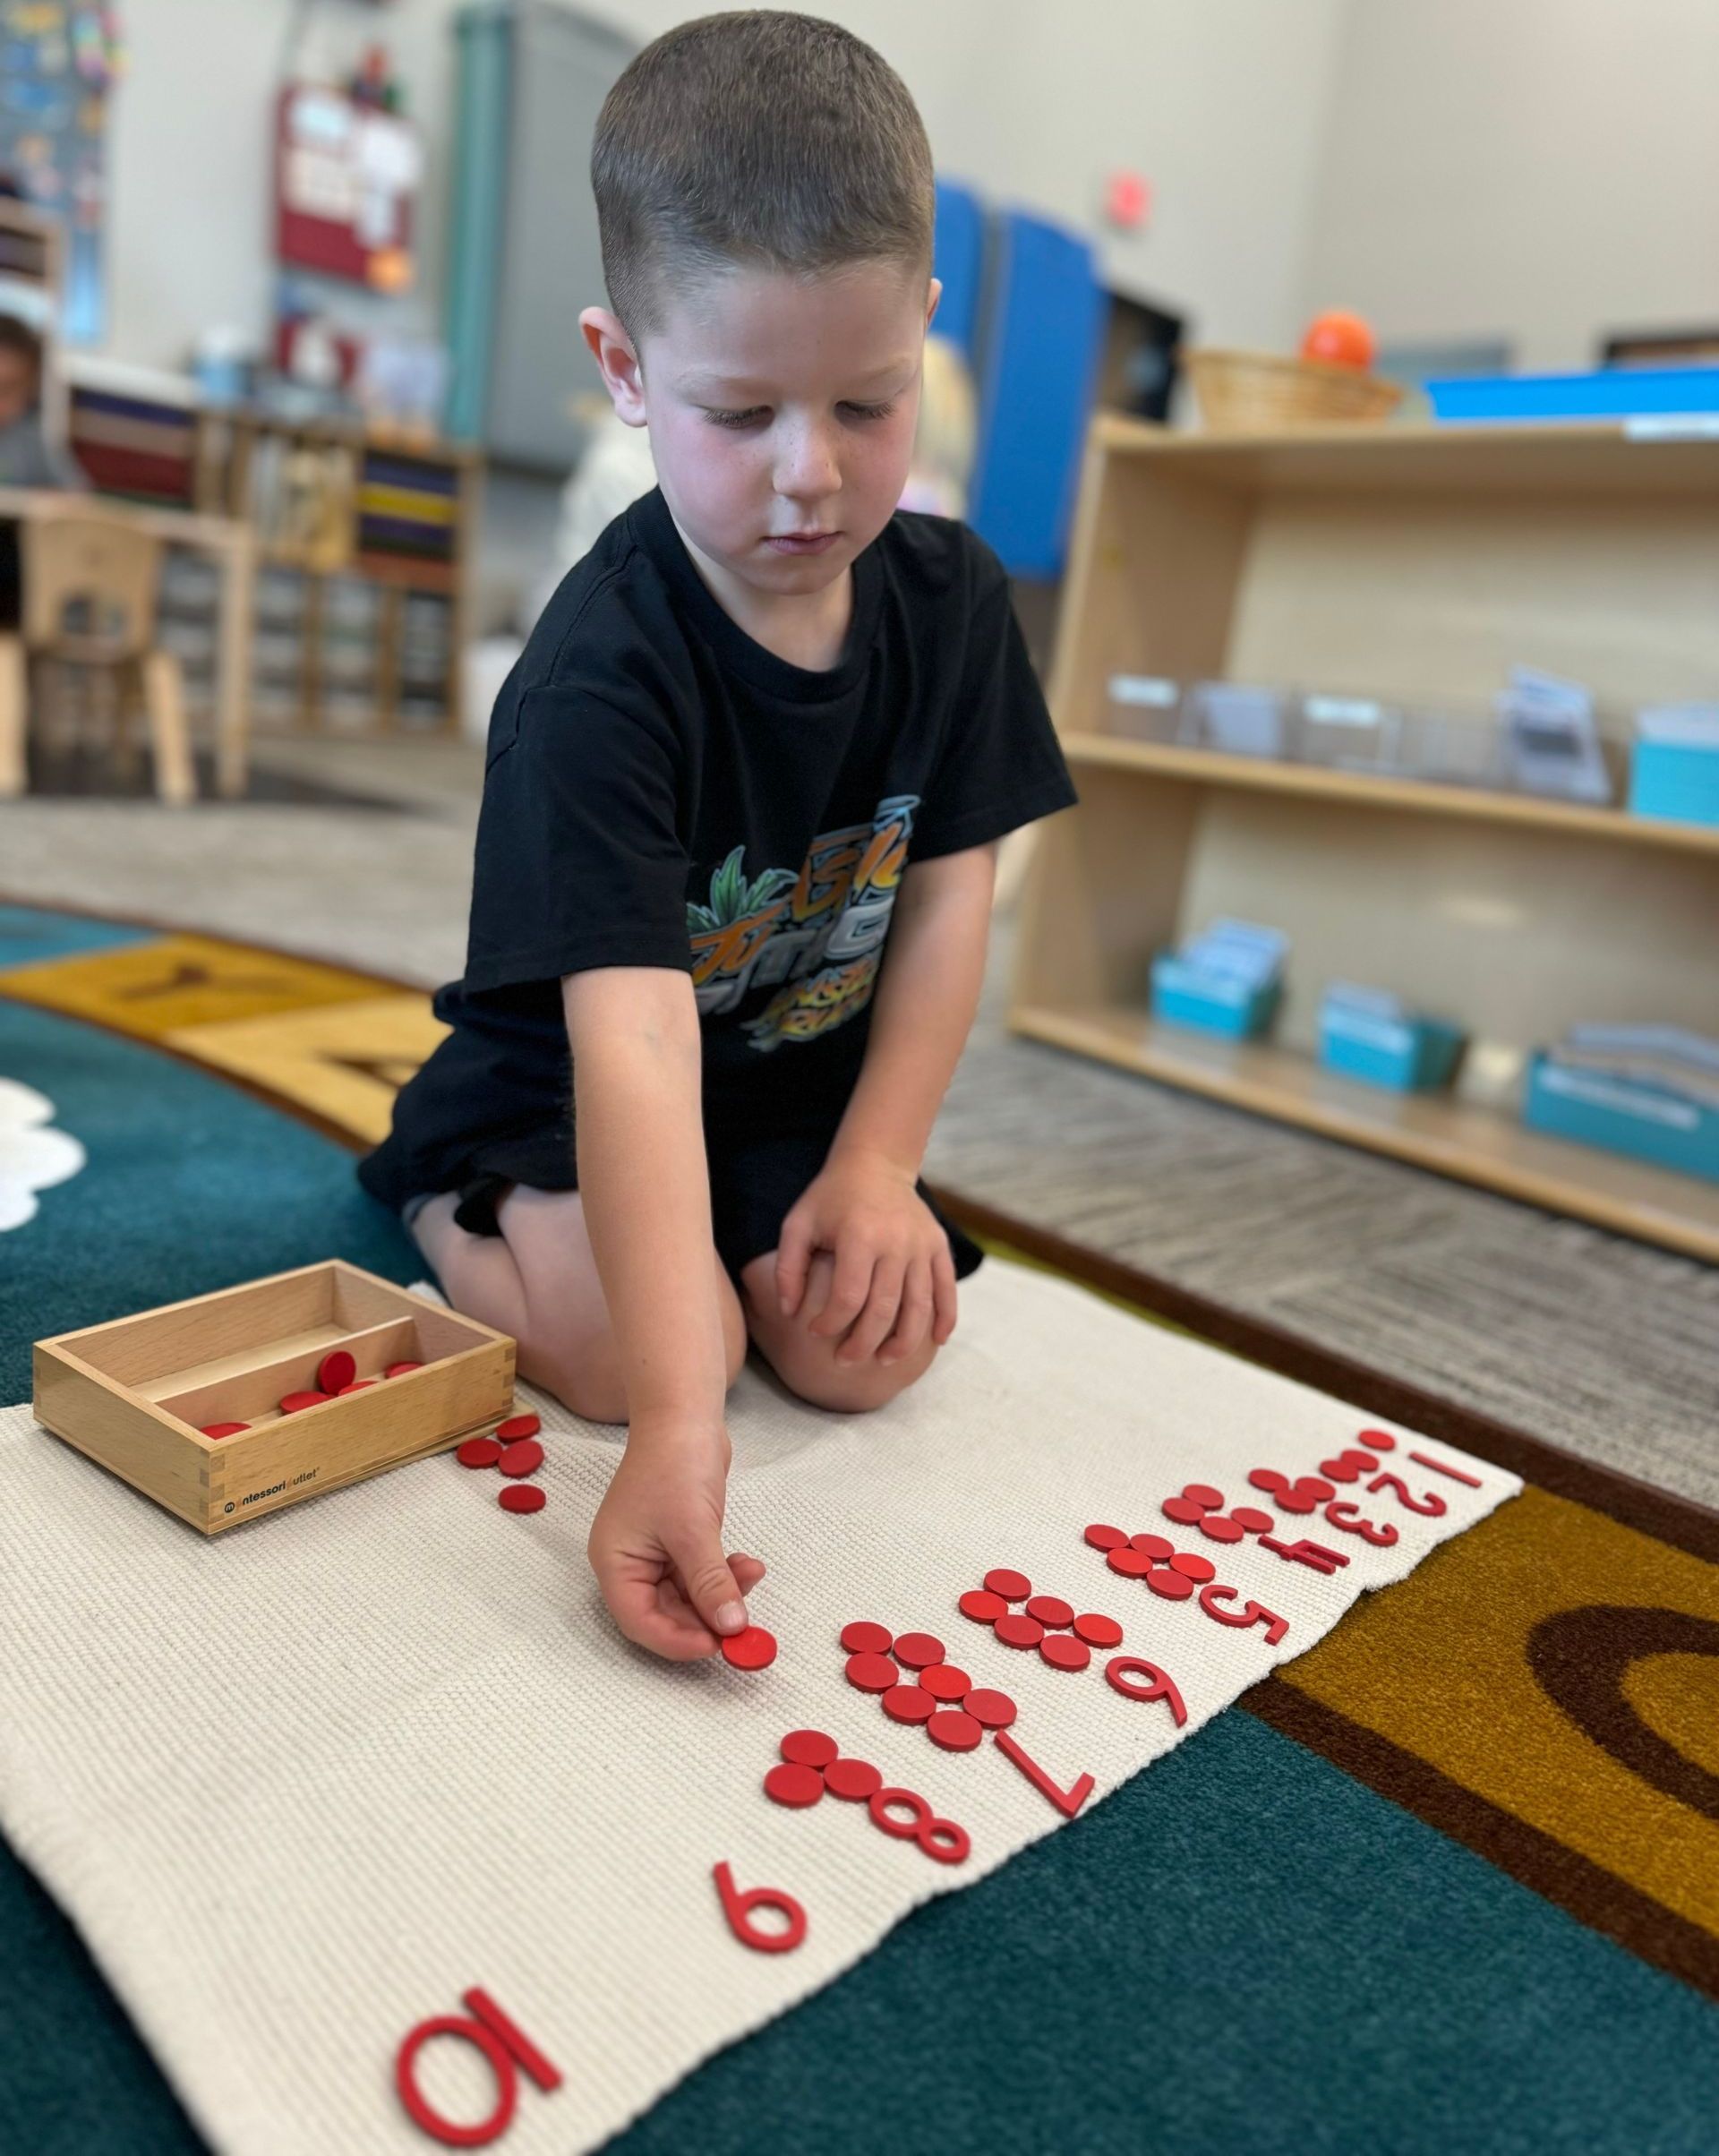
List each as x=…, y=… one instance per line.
x=931, y=303
x=616, y=362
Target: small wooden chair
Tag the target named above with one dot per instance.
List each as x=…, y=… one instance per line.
x=90, y=586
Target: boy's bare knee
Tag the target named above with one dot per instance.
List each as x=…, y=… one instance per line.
x=582, y=1370
x=854, y=1388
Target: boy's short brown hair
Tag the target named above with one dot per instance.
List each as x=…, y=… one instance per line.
x=775, y=140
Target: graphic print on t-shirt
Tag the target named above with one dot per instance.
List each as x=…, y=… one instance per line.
x=821, y=932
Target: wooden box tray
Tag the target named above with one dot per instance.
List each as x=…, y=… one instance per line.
x=133, y=1394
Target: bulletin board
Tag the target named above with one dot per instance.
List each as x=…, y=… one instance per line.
x=58, y=59
x=347, y=178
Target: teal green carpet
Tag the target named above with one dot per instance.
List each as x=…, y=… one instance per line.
x=1244, y=1950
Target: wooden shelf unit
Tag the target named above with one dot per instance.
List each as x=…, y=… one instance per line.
x=1413, y=564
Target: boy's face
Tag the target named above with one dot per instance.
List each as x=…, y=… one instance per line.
x=782, y=413
x=18, y=386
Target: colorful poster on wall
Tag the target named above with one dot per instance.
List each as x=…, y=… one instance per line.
x=347, y=178
x=58, y=62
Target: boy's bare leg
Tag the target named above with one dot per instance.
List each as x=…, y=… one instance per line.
x=805, y=1361
x=538, y=1280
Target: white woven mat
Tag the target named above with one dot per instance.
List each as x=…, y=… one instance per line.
x=301, y=1786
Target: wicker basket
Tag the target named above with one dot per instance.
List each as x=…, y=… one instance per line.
x=1258, y=392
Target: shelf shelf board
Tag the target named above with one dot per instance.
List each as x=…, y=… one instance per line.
x=1364, y=790
x=1590, y=456
x=1433, y=1131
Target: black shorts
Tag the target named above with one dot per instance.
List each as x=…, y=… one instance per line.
x=754, y=1181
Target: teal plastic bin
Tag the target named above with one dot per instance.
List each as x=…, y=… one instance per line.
x=1211, y=1002
x=1624, y=1115
x=1409, y=1055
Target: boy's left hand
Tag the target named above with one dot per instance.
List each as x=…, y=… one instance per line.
x=893, y=1282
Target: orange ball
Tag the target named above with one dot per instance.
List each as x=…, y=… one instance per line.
x=1339, y=338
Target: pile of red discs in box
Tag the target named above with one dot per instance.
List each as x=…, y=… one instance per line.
x=336, y=1374
x=515, y=1449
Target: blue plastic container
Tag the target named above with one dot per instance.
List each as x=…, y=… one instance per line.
x=1674, y=779
x=1409, y=1055
x=1624, y=1115
x=1211, y=1003
x=1607, y=393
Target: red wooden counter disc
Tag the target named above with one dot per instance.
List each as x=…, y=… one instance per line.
x=478, y=1452
x=294, y=1402
x=1052, y=1612
x=335, y=1371
x=856, y=1780
x=525, y=1458
x=1133, y=1564
x=224, y=1429
x=944, y=1680
x=993, y=1710
x=1019, y=1631
x=981, y=1606
x=1063, y=1653
x=752, y=1649
x=918, y=1650
x=1174, y=1587
x=871, y=1672
x=523, y=1497
x=516, y=1427
x=909, y=1703
x=1194, y=1566
x=1102, y=1538
x=954, y=1731
x=401, y=1369
x=1013, y=1586
x=808, y=1748
x=793, y=1785
x=363, y=1384
x=1097, y=1631
x=862, y=1638
x=1155, y=1547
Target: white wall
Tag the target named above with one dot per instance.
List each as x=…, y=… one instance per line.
x=1545, y=170
x=1220, y=102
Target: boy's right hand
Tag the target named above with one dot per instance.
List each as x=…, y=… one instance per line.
x=656, y=1542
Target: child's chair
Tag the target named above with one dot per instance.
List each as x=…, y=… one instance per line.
x=90, y=586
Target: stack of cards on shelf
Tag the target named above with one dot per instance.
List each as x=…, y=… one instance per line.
x=1674, y=771
x=1649, y=1090
x=1228, y=979
x=1369, y=1034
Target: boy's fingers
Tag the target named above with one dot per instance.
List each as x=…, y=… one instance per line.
x=747, y=1571
x=848, y=1292
x=794, y=1255
x=915, y=1320
x=872, y=1327
x=945, y=1295
x=653, y=1614
x=709, y=1585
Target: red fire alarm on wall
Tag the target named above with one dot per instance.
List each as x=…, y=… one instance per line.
x=1127, y=199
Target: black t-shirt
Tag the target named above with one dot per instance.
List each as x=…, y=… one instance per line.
x=661, y=790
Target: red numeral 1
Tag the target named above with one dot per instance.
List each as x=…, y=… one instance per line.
x=1068, y=1802
x=501, y=2043
x=1440, y=1467
x=737, y=1908
x=1250, y=1613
